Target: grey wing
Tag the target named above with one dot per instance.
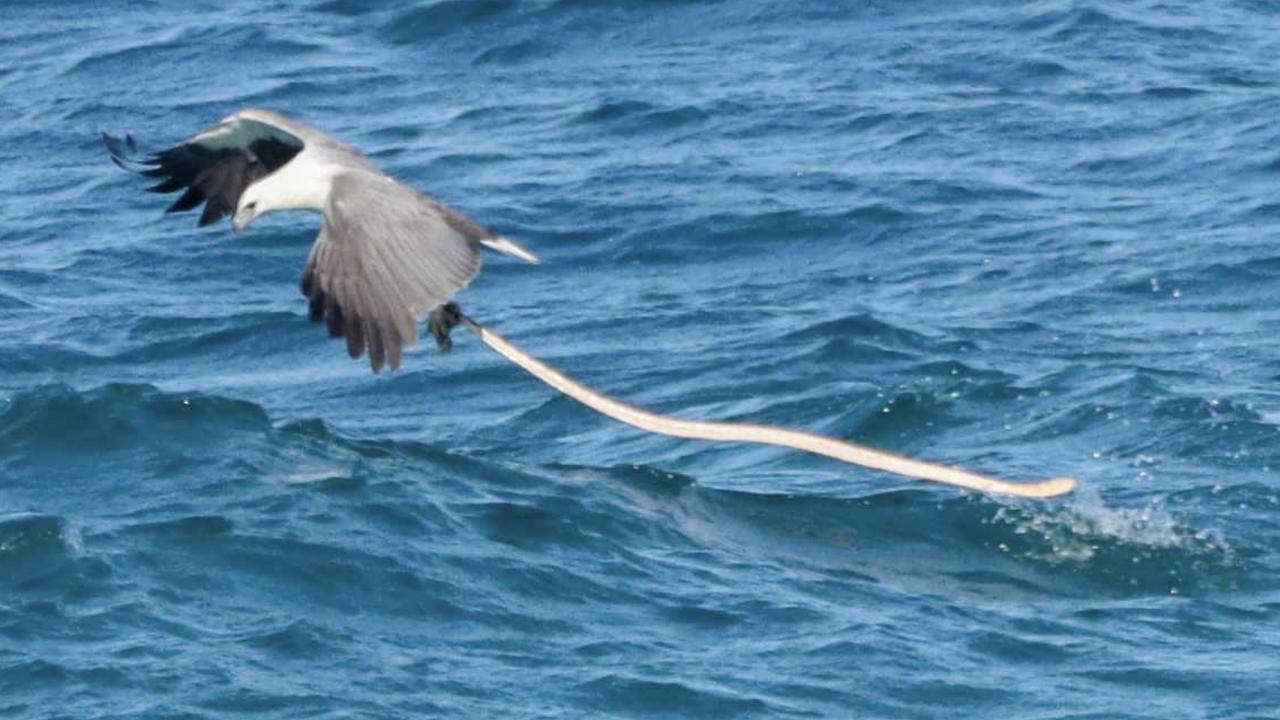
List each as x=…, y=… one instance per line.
x=385, y=258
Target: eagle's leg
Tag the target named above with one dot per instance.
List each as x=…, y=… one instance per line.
x=442, y=321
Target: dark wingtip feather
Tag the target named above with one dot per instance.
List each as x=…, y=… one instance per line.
x=395, y=354
x=117, y=152
x=212, y=214
x=168, y=185
x=191, y=198
x=377, y=353
x=355, y=338
x=112, y=143
x=124, y=153
x=334, y=318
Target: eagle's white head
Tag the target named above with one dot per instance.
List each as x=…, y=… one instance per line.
x=299, y=185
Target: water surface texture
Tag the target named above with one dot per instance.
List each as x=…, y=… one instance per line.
x=1027, y=238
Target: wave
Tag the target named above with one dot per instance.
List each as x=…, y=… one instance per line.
x=746, y=234
x=26, y=534
x=914, y=539
x=918, y=542
x=157, y=339
x=53, y=422
x=865, y=325
x=188, y=46
x=1089, y=24
x=618, y=4
x=514, y=53
x=447, y=17
x=43, y=560
x=14, y=302
x=635, y=116
x=629, y=694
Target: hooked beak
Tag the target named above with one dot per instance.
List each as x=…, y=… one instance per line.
x=240, y=222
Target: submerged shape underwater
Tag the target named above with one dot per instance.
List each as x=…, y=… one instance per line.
x=1029, y=239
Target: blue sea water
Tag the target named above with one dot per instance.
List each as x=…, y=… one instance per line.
x=1031, y=239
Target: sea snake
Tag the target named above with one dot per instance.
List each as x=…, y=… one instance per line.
x=764, y=434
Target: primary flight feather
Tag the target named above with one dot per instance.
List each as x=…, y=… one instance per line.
x=387, y=256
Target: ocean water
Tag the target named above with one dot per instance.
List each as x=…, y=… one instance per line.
x=1030, y=238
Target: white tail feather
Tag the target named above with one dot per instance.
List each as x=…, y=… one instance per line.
x=504, y=245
